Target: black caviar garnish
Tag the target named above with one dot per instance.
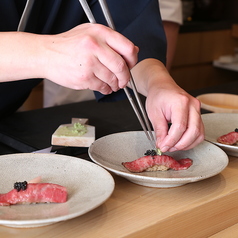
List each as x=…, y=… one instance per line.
x=20, y=186
x=151, y=152
x=148, y=152
x=236, y=130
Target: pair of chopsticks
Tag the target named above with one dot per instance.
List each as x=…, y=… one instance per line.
x=144, y=122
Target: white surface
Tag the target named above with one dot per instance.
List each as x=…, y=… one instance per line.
x=218, y=124
x=229, y=66
x=110, y=151
x=171, y=10
x=55, y=94
x=88, y=186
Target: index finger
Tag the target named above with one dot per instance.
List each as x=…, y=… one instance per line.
x=177, y=129
x=123, y=47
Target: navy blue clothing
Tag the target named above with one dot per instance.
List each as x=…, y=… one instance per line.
x=138, y=20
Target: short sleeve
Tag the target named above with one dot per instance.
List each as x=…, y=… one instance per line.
x=171, y=10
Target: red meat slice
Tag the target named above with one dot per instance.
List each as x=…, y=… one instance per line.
x=229, y=139
x=35, y=193
x=146, y=162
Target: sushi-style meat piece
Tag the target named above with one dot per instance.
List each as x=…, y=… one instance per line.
x=229, y=139
x=35, y=193
x=157, y=162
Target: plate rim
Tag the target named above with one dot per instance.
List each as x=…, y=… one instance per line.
x=130, y=175
x=47, y=221
x=214, y=107
x=230, y=114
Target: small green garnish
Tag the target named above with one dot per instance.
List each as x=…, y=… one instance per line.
x=159, y=152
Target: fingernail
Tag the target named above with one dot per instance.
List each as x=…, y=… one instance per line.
x=164, y=149
x=172, y=149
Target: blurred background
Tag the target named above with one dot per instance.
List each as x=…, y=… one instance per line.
x=209, y=32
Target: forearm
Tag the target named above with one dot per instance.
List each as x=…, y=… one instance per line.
x=21, y=56
x=152, y=74
x=89, y=56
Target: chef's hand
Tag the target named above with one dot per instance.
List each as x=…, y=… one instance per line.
x=173, y=105
x=90, y=56
x=167, y=103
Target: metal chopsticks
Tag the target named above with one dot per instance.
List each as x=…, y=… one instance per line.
x=144, y=122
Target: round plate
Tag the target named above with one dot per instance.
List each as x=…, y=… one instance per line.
x=219, y=102
x=88, y=186
x=218, y=124
x=110, y=151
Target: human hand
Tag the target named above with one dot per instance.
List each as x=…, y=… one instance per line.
x=166, y=102
x=90, y=56
x=174, y=105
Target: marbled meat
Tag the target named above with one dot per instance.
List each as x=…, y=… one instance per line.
x=229, y=139
x=35, y=193
x=157, y=162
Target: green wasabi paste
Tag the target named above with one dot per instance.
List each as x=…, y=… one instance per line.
x=77, y=129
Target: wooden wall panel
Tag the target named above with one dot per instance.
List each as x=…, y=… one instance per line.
x=193, y=63
x=201, y=76
x=216, y=43
x=188, y=49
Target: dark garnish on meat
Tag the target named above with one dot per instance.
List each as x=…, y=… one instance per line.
x=236, y=130
x=20, y=186
x=151, y=152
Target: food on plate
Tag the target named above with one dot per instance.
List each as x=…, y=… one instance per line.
x=74, y=134
x=229, y=139
x=157, y=163
x=27, y=193
x=153, y=152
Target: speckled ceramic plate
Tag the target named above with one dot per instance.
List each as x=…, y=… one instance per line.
x=88, y=186
x=218, y=124
x=110, y=151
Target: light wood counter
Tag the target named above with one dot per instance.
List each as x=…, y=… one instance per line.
x=199, y=209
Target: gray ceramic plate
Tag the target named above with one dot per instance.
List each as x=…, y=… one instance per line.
x=88, y=186
x=110, y=151
x=218, y=124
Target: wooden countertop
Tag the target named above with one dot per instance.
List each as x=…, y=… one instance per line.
x=199, y=209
